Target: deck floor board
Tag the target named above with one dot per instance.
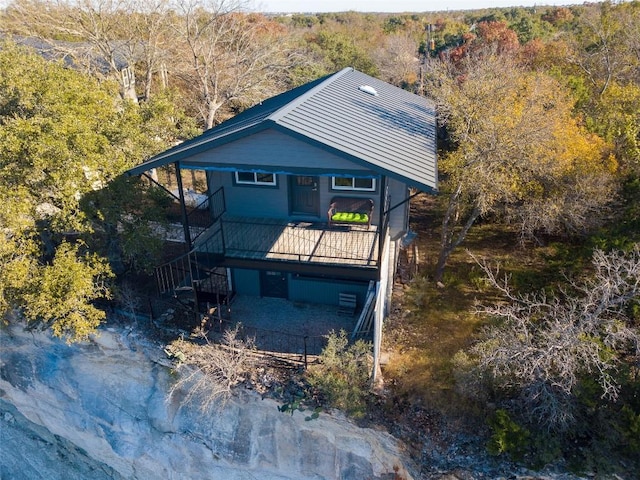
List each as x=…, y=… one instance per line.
x=275, y=239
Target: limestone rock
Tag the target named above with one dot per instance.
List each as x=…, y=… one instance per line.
x=103, y=406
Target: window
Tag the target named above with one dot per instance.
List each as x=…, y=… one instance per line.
x=352, y=183
x=255, y=178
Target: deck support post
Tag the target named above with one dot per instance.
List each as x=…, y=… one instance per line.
x=183, y=209
x=382, y=224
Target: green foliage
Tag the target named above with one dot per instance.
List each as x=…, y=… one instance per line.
x=303, y=21
x=507, y=437
x=125, y=216
x=624, y=233
x=340, y=50
x=297, y=404
x=614, y=116
x=528, y=28
x=61, y=294
x=418, y=296
x=630, y=430
x=293, y=405
x=64, y=137
x=393, y=24
x=342, y=377
x=163, y=123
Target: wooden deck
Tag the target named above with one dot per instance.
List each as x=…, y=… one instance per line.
x=274, y=239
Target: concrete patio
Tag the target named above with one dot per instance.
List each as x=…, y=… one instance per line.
x=282, y=326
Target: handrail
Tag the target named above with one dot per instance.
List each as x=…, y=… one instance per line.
x=173, y=274
x=284, y=242
x=207, y=212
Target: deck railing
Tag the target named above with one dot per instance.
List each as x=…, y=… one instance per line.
x=298, y=242
x=206, y=213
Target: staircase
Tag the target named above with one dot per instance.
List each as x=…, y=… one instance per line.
x=196, y=280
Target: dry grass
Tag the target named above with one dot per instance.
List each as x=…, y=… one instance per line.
x=430, y=324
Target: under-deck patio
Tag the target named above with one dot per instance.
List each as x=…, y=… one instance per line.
x=297, y=241
x=281, y=326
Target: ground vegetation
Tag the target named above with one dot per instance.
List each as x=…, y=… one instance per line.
x=539, y=173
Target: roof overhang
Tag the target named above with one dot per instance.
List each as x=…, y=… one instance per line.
x=180, y=154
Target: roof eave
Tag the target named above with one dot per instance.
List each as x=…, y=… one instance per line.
x=181, y=152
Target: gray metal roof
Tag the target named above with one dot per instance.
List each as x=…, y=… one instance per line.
x=392, y=131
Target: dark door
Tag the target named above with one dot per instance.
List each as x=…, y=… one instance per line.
x=274, y=284
x=305, y=195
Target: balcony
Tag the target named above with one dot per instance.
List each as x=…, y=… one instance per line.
x=287, y=241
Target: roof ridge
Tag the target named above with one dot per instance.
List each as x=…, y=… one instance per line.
x=282, y=111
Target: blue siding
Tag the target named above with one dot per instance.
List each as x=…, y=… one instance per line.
x=310, y=290
x=301, y=289
x=246, y=282
x=270, y=202
x=273, y=150
x=253, y=201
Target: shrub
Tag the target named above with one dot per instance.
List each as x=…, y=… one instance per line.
x=342, y=375
x=508, y=436
x=208, y=373
x=630, y=430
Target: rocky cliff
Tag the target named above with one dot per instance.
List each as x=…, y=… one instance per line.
x=100, y=410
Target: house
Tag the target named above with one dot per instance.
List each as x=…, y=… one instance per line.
x=82, y=56
x=308, y=195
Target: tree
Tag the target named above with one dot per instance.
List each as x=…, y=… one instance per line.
x=342, y=376
x=517, y=153
x=340, y=50
x=225, y=56
x=397, y=61
x=61, y=295
x=606, y=52
x=544, y=347
x=63, y=135
x=528, y=28
x=149, y=26
x=606, y=44
x=496, y=35
x=614, y=116
x=94, y=33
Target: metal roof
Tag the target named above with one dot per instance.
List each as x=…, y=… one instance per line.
x=382, y=127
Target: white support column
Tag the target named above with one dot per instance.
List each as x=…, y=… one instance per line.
x=381, y=308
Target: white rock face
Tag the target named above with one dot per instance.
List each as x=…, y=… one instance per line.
x=102, y=408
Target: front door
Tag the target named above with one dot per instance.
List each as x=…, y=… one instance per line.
x=274, y=284
x=305, y=195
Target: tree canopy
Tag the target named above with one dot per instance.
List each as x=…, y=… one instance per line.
x=518, y=152
x=63, y=136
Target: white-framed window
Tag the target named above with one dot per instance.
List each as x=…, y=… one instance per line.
x=353, y=183
x=255, y=178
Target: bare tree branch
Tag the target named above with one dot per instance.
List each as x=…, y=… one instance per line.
x=543, y=346
x=209, y=372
